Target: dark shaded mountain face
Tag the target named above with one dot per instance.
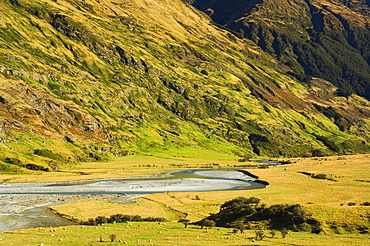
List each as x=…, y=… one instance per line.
x=227, y=12
x=326, y=39
x=90, y=80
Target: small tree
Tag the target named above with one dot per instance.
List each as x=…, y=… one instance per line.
x=185, y=222
x=284, y=232
x=260, y=234
x=113, y=237
x=211, y=224
x=207, y=223
x=101, y=220
x=240, y=227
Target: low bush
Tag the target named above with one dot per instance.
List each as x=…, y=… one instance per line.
x=13, y=161
x=249, y=211
x=47, y=153
x=37, y=167
x=120, y=218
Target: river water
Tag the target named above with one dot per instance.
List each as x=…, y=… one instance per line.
x=23, y=205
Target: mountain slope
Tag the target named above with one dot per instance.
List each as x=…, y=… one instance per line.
x=326, y=39
x=85, y=80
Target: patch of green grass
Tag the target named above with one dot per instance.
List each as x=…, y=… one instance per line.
x=106, y=208
x=146, y=233
x=8, y=168
x=344, y=219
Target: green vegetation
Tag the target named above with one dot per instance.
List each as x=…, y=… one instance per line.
x=100, y=89
x=244, y=212
x=335, y=211
x=47, y=153
x=149, y=233
x=309, y=38
x=248, y=213
x=88, y=85
x=120, y=218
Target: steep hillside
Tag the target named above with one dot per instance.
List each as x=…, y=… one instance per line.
x=326, y=39
x=86, y=80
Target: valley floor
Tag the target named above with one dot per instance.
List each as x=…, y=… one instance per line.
x=333, y=189
x=170, y=233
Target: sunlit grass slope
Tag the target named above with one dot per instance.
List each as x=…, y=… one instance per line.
x=96, y=79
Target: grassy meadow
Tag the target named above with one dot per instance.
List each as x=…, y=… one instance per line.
x=139, y=165
x=171, y=233
x=334, y=200
x=87, y=80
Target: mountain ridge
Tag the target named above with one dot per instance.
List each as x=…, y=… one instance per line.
x=89, y=80
x=326, y=39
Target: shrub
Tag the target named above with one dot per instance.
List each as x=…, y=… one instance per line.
x=328, y=143
x=120, y=218
x=240, y=227
x=260, y=234
x=47, y=153
x=284, y=215
x=204, y=72
x=241, y=210
x=101, y=220
x=240, y=203
x=13, y=161
x=284, y=232
x=185, y=222
x=113, y=237
x=207, y=223
x=36, y=167
x=332, y=114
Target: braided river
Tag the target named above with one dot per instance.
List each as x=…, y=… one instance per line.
x=23, y=205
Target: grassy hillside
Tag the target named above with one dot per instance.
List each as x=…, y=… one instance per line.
x=90, y=80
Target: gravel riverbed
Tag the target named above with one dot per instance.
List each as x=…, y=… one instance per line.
x=23, y=205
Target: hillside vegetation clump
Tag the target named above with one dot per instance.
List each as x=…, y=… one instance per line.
x=120, y=218
x=94, y=80
x=249, y=213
